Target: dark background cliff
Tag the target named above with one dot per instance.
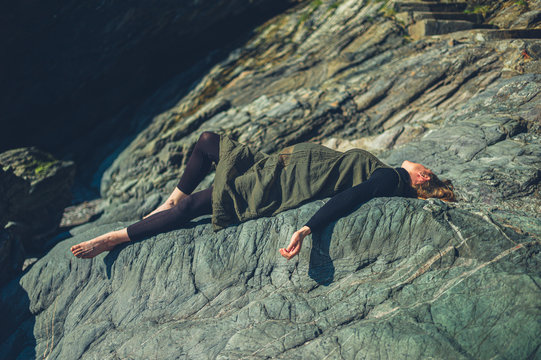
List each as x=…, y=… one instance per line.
x=73, y=73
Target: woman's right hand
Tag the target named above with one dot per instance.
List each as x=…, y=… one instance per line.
x=295, y=244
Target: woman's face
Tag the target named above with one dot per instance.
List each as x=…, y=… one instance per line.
x=419, y=173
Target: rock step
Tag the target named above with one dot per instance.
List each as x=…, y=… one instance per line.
x=483, y=34
x=475, y=18
x=429, y=27
x=427, y=6
x=408, y=17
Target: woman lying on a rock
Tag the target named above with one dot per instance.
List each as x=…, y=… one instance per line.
x=250, y=184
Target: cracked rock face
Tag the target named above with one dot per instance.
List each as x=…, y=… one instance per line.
x=394, y=279
x=397, y=278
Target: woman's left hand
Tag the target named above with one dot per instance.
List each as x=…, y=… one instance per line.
x=296, y=242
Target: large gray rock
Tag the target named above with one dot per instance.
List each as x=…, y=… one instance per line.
x=397, y=278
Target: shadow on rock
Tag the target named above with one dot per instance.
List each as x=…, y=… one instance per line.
x=321, y=267
x=17, y=339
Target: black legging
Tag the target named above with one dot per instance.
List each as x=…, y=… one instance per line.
x=206, y=151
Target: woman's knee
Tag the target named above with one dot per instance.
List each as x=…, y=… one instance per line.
x=209, y=144
x=192, y=206
x=183, y=208
x=207, y=137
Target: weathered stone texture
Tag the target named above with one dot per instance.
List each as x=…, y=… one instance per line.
x=397, y=278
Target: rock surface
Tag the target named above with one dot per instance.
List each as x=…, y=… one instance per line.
x=81, y=213
x=514, y=14
x=397, y=278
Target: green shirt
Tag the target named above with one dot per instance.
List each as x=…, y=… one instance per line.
x=250, y=184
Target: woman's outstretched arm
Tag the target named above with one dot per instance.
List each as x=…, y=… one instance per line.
x=382, y=182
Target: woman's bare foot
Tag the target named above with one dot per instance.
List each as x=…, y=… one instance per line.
x=96, y=246
x=172, y=201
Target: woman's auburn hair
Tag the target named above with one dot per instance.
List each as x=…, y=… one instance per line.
x=436, y=188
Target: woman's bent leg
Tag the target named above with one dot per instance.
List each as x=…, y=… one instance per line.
x=197, y=204
x=206, y=151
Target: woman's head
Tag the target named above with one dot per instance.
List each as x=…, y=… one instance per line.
x=427, y=184
x=435, y=188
